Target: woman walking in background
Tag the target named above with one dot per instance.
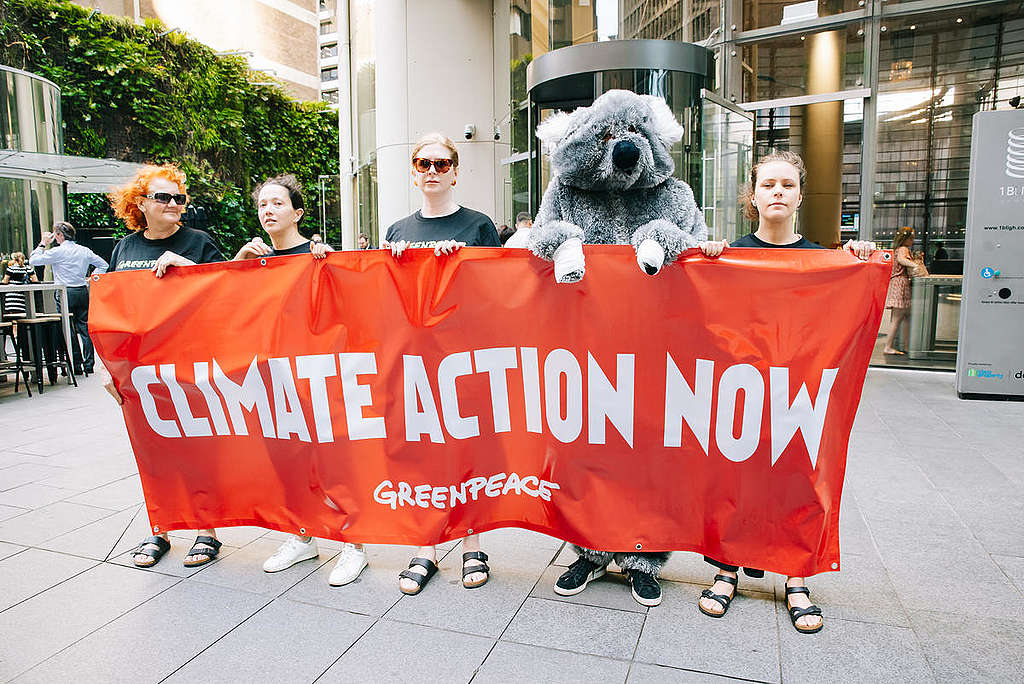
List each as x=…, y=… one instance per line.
x=897, y=300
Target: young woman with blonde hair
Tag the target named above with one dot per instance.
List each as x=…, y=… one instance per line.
x=443, y=225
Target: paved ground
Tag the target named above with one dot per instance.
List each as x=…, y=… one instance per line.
x=933, y=556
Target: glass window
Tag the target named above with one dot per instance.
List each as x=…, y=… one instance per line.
x=329, y=74
x=804, y=64
x=765, y=13
x=328, y=51
x=935, y=72
x=829, y=136
x=691, y=21
x=327, y=27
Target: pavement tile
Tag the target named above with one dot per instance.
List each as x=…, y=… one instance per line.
x=30, y=633
x=611, y=591
x=156, y=638
x=861, y=591
x=243, y=570
x=373, y=593
x=32, y=571
x=644, y=673
x=95, y=540
x=284, y=642
x=35, y=495
x=7, y=550
x=118, y=495
x=876, y=653
x=391, y=651
x=963, y=648
x=949, y=575
x=485, y=610
x=97, y=475
x=1013, y=566
x=8, y=512
x=745, y=640
x=510, y=662
x=24, y=473
x=596, y=631
x=48, y=522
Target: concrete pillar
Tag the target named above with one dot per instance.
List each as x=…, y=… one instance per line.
x=436, y=72
x=822, y=148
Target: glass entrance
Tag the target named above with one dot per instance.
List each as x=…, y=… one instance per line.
x=727, y=135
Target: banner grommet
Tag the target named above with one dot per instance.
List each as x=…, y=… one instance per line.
x=469, y=531
x=639, y=546
x=302, y=531
x=156, y=528
x=263, y=262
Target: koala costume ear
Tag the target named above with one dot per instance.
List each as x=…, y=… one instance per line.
x=663, y=121
x=552, y=130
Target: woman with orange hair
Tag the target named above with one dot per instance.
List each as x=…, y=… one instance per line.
x=152, y=204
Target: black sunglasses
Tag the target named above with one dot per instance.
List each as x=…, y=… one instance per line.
x=166, y=197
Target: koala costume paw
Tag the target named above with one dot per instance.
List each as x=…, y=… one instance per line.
x=562, y=243
x=569, y=264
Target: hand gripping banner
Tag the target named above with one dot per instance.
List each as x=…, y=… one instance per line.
x=362, y=398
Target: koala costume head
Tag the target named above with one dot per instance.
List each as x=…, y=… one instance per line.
x=612, y=183
x=634, y=132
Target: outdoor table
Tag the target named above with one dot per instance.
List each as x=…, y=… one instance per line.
x=32, y=313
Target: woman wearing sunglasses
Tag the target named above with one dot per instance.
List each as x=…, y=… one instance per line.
x=443, y=225
x=151, y=205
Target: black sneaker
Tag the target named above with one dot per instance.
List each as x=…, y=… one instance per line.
x=646, y=589
x=575, y=579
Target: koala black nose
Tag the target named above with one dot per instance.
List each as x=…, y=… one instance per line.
x=625, y=155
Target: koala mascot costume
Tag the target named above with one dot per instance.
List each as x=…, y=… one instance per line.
x=612, y=184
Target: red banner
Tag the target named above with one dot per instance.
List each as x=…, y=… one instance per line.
x=361, y=398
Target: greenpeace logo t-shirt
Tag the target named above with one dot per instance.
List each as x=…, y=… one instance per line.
x=136, y=252
x=465, y=225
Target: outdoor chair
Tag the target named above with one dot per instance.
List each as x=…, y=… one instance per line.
x=44, y=335
x=17, y=366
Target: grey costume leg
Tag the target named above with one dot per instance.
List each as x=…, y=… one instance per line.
x=599, y=558
x=647, y=563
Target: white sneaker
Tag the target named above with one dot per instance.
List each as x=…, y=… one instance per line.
x=351, y=562
x=291, y=552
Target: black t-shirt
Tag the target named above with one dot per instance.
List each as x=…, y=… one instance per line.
x=137, y=252
x=302, y=248
x=754, y=241
x=465, y=225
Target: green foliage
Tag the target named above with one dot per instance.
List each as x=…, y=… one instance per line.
x=129, y=94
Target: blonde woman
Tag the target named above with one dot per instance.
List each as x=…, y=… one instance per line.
x=443, y=225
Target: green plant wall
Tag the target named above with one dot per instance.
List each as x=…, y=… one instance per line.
x=129, y=94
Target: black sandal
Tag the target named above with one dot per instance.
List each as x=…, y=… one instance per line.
x=162, y=547
x=720, y=598
x=208, y=554
x=473, y=569
x=419, y=579
x=797, y=613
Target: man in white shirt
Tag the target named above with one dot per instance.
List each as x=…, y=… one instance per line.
x=524, y=222
x=70, y=264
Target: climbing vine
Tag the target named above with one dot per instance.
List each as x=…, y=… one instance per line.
x=131, y=94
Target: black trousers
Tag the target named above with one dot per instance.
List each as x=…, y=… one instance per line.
x=78, y=304
x=749, y=572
